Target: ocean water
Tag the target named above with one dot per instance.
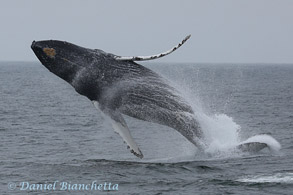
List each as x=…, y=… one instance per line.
x=49, y=133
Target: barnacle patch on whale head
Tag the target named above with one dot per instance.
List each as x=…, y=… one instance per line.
x=50, y=52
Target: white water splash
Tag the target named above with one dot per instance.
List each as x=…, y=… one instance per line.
x=275, y=178
x=221, y=132
x=222, y=135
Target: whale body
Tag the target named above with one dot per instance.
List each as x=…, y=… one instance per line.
x=119, y=86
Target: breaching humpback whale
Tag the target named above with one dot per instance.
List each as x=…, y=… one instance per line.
x=118, y=86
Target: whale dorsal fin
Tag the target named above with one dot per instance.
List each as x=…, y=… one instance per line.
x=152, y=57
x=119, y=125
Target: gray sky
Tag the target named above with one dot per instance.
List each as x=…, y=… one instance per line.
x=236, y=31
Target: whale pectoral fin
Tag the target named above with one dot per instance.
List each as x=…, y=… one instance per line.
x=119, y=125
x=122, y=129
x=252, y=146
x=152, y=57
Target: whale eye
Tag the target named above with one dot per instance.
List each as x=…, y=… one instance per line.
x=50, y=52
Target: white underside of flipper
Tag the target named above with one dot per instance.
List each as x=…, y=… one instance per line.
x=121, y=128
x=123, y=131
x=152, y=57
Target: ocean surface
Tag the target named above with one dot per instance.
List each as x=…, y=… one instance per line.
x=49, y=133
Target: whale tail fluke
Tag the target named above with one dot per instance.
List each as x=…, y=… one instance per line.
x=252, y=147
x=259, y=142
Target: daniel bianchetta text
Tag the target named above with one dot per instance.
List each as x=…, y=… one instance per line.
x=64, y=186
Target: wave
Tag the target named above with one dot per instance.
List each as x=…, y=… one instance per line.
x=274, y=178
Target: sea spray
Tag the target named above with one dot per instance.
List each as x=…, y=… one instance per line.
x=221, y=132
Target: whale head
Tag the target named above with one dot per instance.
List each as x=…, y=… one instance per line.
x=62, y=58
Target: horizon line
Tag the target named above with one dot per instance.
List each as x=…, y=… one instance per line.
x=152, y=62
